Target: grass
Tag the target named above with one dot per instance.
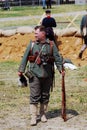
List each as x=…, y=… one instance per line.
x=75, y=90
x=36, y=10
x=75, y=85
x=13, y=98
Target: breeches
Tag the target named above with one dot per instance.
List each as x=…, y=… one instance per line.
x=39, y=90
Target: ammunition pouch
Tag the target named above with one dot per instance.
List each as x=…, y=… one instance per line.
x=29, y=74
x=32, y=58
x=47, y=59
x=44, y=59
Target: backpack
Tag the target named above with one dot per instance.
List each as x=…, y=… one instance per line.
x=49, y=33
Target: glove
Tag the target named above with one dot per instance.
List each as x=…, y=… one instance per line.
x=22, y=80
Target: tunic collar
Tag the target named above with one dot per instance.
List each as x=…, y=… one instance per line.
x=46, y=42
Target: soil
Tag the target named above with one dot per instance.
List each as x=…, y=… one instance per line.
x=15, y=122
x=12, y=49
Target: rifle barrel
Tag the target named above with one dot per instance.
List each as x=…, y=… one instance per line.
x=63, y=99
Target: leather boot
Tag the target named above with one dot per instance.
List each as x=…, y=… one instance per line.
x=80, y=54
x=43, y=108
x=33, y=113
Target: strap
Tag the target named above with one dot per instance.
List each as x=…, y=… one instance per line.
x=51, y=47
x=32, y=45
x=36, y=60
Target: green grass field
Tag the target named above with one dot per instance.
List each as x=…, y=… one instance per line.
x=36, y=11
x=13, y=97
x=75, y=85
x=15, y=100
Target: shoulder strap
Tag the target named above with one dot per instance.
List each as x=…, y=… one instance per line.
x=32, y=45
x=51, y=47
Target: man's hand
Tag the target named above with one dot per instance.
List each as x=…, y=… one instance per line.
x=63, y=73
x=20, y=74
x=22, y=79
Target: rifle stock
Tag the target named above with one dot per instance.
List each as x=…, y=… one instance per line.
x=63, y=97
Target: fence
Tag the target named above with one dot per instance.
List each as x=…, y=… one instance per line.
x=32, y=2
x=38, y=2
x=64, y=20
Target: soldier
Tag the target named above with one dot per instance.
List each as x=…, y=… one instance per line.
x=49, y=22
x=48, y=3
x=44, y=4
x=40, y=54
x=83, y=28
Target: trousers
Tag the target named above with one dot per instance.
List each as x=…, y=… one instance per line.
x=39, y=90
x=85, y=43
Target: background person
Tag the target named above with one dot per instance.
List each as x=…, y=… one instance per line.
x=48, y=3
x=44, y=4
x=83, y=28
x=49, y=22
x=6, y=5
x=41, y=60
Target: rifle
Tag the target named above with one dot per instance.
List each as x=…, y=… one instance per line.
x=63, y=96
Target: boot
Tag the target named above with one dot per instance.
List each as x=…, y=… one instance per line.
x=43, y=108
x=80, y=54
x=33, y=113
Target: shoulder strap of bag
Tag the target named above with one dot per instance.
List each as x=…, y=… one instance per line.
x=32, y=45
x=51, y=47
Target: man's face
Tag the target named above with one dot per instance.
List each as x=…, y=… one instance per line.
x=39, y=35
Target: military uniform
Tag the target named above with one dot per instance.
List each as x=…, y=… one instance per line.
x=48, y=2
x=83, y=28
x=49, y=22
x=42, y=69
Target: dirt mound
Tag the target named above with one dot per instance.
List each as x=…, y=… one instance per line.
x=12, y=48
